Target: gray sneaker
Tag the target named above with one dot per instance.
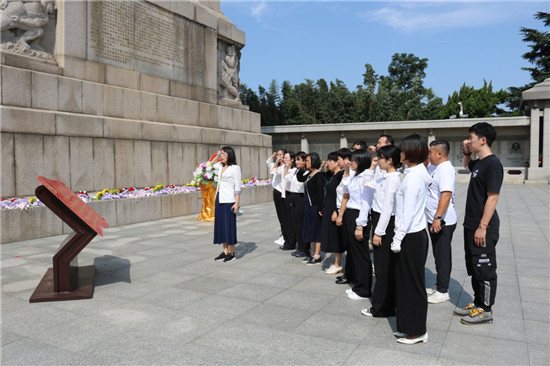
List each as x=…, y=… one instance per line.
x=478, y=316
x=465, y=310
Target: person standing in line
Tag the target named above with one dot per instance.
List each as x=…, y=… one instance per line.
x=296, y=201
x=383, y=216
x=411, y=242
x=355, y=221
x=228, y=195
x=378, y=177
x=481, y=223
x=273, y=163
x=344, y=163
x=331, y=235
x=289, y=237
x=313, y=208
x=441, y=216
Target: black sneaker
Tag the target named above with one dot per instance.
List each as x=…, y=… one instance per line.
x=220, y=257
x=300, y=254
x=314, y=261
x=229, y=258
x=286, y=248
x=307, y=258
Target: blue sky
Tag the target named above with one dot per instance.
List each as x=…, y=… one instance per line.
x=464, y=41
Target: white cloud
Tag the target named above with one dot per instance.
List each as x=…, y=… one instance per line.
x=419, y=17
x=258, y=10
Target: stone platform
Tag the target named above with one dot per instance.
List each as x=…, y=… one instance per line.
x=161, y=299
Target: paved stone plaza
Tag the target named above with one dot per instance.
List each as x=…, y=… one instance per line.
x=160, y=298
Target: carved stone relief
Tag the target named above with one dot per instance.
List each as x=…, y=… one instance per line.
x=228, y=71
x=28, y=27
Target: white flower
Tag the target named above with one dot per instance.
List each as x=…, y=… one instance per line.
x=208, y=175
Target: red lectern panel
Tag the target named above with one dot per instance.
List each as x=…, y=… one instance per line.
x=67, y=281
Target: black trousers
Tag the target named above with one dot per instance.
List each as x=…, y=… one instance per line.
x=294, y=220
x=441, y=248
x=481, y=264
x=359, y=251
x=383, y=294
x=410, y=291
x=348, y=267
x=279, y=208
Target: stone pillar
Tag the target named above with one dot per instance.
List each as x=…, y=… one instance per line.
x=534, y=140
x=343, y=141
x=546, y=138
x=431, y=137
x=304, y=145
x=70, y=42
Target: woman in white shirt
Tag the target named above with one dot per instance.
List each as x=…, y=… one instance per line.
x=290, y=196
x=295, y=196
x=273, y=164
x=355, y=222
x=383, y=220
x=228, y=196
x=411, y=242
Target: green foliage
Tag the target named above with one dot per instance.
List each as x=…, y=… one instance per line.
x=539, y=56
x=398, y=96
x=477, y=103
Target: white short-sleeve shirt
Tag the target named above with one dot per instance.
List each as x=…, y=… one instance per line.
x=443, y=180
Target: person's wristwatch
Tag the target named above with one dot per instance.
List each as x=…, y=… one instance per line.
x=437, y=217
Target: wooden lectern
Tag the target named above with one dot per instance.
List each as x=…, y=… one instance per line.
x=67, y=281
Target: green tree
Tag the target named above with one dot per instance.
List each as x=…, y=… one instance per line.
x=249, y=98
x=401, y=95
x=289, y=105
x=477, y=103
x=539, y=56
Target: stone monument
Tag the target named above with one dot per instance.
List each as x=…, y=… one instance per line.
x=112, y=94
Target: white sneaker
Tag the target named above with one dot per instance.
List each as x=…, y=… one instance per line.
x=423, y=338
x=349, y=291
x=353, y=296
x=333, y=270
x=430, y=290
x=366, y=312
x=438, y=297
x=280, y=241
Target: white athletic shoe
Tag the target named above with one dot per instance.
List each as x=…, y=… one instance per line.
x=333, y=270
x=280, y=241
x=438, y=297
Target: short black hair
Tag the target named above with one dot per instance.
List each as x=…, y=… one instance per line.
x=332, y=156
x=484, y=129
x=415, y=149
x=361, y=143
x=389, y=138
x=231, y=159
x=315, y=160
x=362, y=158
x=344, y=153
x=301, y=155
x=443, y=143
x=390, y=152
